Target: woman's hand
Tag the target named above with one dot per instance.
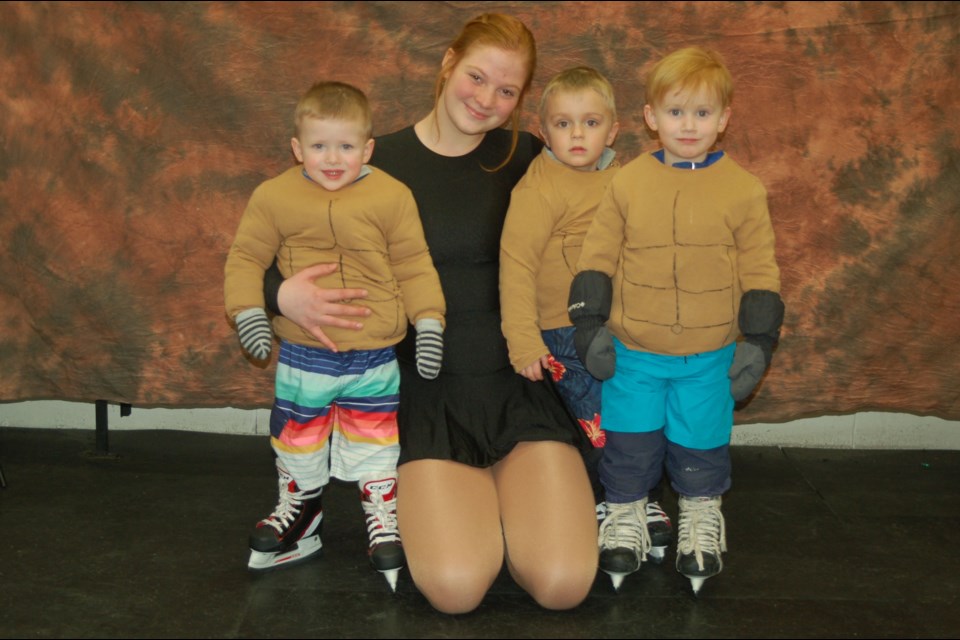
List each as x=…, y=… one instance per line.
x=311, y=308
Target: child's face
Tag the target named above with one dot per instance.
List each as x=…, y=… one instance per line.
x=578, y=127
x=484, y=88
x=332, y=151
x=688, y=123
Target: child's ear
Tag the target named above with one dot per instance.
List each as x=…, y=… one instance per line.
x=724, y=120
x=543, y=137
x=297, y=150
x=614, y=130
x=367, y=151
x=650, y=117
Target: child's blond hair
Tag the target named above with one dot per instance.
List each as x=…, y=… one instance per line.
x=331, y=100
x=578, y=79
x=691, y=68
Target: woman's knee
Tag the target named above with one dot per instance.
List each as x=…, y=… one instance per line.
x=561, y=586
x=452, y=589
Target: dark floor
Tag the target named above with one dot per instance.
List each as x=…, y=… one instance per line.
x=150, y=542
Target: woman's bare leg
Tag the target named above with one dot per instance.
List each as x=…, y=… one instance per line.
x=449, y=523
x=549, y=522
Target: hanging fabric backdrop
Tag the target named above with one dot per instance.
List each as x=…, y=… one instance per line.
x=133, y=134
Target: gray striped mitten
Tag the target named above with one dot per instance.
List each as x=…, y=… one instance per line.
x=255, y=332
x=429, y=347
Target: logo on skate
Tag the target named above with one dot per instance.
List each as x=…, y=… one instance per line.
x=382, y=487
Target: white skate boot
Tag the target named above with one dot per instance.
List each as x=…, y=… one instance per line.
x=661, y=529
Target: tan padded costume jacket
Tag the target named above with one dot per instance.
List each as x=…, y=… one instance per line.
x=550, y=211
x=371, y=229
x=682, y=246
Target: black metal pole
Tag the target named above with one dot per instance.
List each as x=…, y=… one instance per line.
x=103, y=445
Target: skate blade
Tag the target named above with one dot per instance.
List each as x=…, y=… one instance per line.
x=304, y=549
x=616, y=578
x=391, y=575
x=696, y=582
x=657, y=554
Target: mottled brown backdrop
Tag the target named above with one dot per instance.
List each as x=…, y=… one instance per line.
x=133, y=134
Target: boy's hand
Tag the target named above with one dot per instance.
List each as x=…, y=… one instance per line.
x=429, y=347
x=256, y=335
x=761, y=316
x=747, y=369
x=534, y=372
x=594, y=345
x=591, y=296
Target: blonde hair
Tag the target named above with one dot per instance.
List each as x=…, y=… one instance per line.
x=503, y=32
x=579, y=79
x=334, y=100
x=692, y=68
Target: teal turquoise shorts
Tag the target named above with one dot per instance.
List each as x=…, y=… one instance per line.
x=688, y=396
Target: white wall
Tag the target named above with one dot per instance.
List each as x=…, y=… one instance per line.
x=857, y=431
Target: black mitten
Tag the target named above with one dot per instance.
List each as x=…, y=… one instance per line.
x=591, y=296
x=761, y=316
x=747, y=369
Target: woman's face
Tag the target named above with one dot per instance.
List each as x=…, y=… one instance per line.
x=483, y=89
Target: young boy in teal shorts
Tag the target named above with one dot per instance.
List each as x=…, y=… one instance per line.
x=678, y=265
x=551, y=209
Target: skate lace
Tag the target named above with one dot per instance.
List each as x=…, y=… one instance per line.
x=381, y=519
x=626, y=526
x=288, y=507
x=702, y=528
